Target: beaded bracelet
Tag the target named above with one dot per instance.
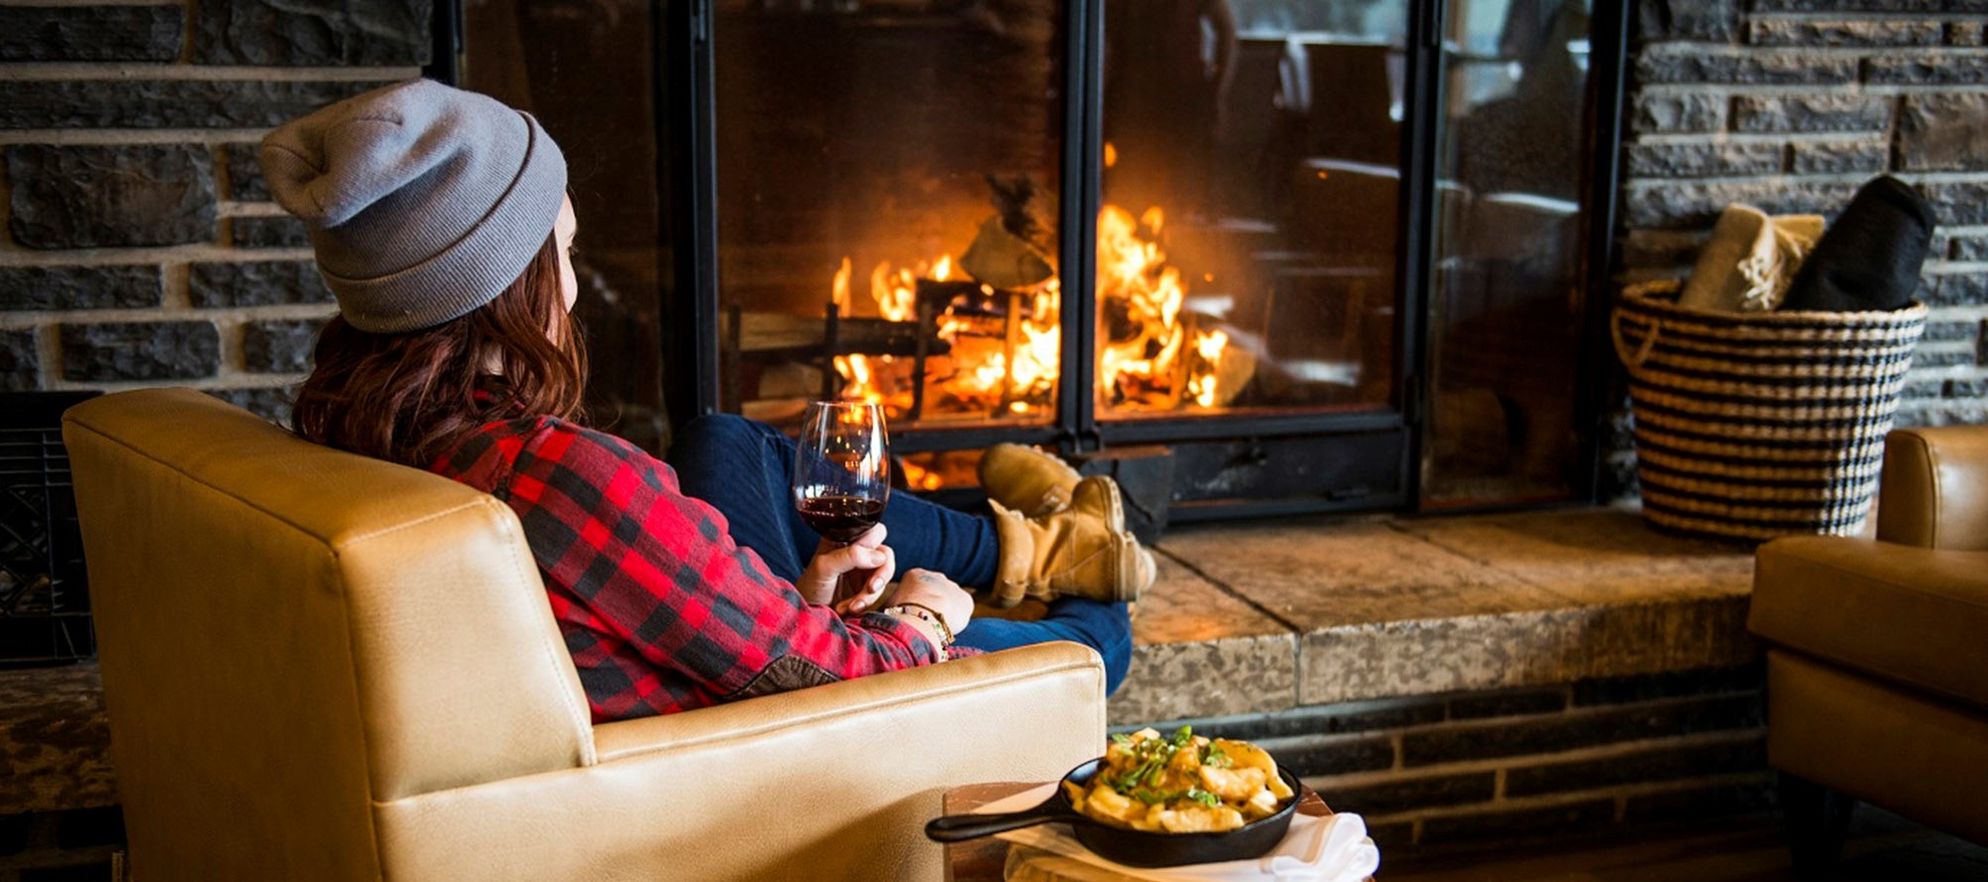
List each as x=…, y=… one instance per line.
x=925, y=614
x=945, y=630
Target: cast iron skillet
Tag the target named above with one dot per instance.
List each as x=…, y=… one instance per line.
x=1133, y=848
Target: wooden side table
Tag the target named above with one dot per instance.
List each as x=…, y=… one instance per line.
x=982, y=860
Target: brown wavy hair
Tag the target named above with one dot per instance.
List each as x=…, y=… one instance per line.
x=411, y=398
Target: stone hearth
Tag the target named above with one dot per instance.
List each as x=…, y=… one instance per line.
x=1265, y=617
x=1467, y=679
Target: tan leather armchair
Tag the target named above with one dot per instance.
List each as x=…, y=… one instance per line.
x=322, y=666
x=1877, y=661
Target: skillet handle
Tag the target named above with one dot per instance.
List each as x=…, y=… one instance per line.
x=959, y=828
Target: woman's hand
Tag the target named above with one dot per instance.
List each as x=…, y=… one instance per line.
x=818, y=582
x=938, y=593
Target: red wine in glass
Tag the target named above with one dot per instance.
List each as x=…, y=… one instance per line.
x=842, y=473
x=841, y=519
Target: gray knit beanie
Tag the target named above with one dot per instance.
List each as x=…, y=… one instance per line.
x=424, y=202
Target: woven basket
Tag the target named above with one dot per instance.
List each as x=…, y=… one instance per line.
x=1755, y=425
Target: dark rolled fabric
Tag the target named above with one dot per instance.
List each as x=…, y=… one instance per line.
x=1871, y=257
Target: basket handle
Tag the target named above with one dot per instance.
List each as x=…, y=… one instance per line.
x=1642, y=354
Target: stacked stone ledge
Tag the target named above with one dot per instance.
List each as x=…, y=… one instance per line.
x=140, y=246
x=1790, y=105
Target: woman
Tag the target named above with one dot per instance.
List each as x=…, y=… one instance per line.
x=440, y=223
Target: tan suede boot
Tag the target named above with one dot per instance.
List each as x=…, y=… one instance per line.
x=1083, y=550
x=1027, y=480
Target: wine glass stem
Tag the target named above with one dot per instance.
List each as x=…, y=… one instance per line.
x=848, y=584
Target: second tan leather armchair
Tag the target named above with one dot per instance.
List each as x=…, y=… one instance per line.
x=1876, y=650
x=319, y=666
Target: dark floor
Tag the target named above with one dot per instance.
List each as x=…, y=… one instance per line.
x=1882, y=848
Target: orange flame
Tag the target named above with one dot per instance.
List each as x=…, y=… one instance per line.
x=838, y=290
x=1157, y=358
x=1201, y=385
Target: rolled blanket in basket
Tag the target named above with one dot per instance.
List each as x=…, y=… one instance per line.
x=1871, y=257
x=1750, y=260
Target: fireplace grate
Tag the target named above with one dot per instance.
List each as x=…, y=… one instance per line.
x=44, y=591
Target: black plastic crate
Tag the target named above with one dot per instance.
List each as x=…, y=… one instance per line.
x=44, y=590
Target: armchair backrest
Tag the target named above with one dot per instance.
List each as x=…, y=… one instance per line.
x=289, y=634
x=1934, y=489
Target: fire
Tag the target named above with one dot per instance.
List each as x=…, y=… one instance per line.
x=1005, y=346
x=895, y=293
x=981, y=380
x=856, y=370
x=1209, y=347
x=838, y=291
x=1141, y=367
x=873, y=380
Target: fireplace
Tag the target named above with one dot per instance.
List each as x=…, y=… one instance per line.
x=1301, y=256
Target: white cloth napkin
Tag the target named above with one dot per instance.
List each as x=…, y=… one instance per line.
x=1328, y=849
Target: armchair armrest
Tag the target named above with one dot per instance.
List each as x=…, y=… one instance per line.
x=834, y=782
x=1934, y=489
x=1913, y=616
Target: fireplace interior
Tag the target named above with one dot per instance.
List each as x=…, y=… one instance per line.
x=1287, y=256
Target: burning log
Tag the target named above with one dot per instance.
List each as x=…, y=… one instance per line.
x=1004, y=260
x=1004, y=252
x=783, y=334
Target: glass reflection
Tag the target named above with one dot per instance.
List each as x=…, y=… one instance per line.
x=1507, y=298
x=888, y=180
x=583, y=67
x=1248, y=241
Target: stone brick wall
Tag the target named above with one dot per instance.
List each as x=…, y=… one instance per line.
x=140, y=246
x=1452, y=771
x=1790, y=105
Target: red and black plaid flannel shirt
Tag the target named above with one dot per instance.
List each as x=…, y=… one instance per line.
x=660, y=609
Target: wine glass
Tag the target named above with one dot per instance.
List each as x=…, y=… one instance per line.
x=842, y=474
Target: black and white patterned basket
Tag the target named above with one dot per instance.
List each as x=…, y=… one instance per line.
x=1756, y=425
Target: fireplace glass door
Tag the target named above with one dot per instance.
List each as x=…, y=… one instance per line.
x=1249, y=237
x=1506, y=298
x=1275, y=255
x=888, y=193
x=1314, y=255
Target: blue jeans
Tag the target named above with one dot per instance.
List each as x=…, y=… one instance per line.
x=744, y=468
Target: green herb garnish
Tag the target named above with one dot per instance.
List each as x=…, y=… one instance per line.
x=1215, y=758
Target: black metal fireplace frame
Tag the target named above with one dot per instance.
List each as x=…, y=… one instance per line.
x=691, y=311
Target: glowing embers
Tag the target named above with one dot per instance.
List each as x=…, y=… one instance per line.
x=942, y=469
